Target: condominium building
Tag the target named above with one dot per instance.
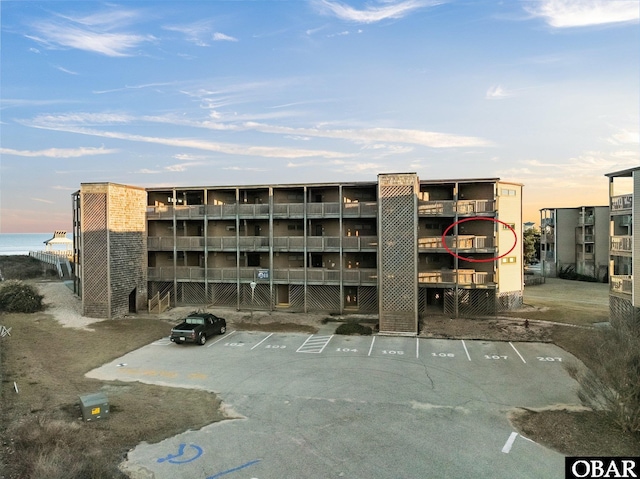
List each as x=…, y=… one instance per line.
x=575, y=239
x=624, y=201
x=398, y=247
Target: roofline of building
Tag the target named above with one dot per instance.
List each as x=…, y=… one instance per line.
x=627, y=172
x=326, y=184
x=111, y=183
x=573, y=207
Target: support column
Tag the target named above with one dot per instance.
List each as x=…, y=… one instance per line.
x=398, y=253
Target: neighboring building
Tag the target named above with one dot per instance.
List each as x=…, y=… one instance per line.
x=624, y=201
x=368, y=247
x=575, y=238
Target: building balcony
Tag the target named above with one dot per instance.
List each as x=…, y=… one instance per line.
x=620, y=244
x=622, y=284
x=622, y=203
x=451, y=208
x=290, y=275
x=582, y=257
x=349, y=243
x=584, y=238
x=323, y=210
x=475, y=207
x=288, y=210
x=182, y=243
x=469, y=243
x=360, y=209
x=467, y=277
x=436, y=208
x=585, y=220
x=547, y=222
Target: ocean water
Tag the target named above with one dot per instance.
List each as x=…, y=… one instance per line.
x=22, y=243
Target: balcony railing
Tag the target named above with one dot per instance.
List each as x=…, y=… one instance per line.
x=288, y=210
x=440, y=207
x=472, y=207
x=584, y=238
x=290, y=275
x=621, y=244
x=586, y=220
x=323, y=210
x=365, y=208
x=580, y=256
x=450, y=207
x=621, y=284
x=461, y=242
x=622, y=202
x=461, y=276
x=547, y=222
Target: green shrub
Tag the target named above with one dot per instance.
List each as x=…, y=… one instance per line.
x=19, y=297
x=353, y=328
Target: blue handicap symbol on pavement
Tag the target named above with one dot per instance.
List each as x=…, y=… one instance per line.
x=182, y=457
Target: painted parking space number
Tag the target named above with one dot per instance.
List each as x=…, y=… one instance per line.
x=346, y=350
x=443, y=355
x=494, y=356
x=398, y=353
x=549, y=359
x=274, y=346
x=233, y=345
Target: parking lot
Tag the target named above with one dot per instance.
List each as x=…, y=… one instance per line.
x=320, y=406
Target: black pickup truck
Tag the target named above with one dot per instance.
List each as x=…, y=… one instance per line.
x=197, y=327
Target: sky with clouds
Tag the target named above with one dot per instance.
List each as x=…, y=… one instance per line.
x=203, y=93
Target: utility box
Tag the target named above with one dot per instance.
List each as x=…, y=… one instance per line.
x=94, y=406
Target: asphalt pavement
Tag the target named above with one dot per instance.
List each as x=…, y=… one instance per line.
x=374, y=407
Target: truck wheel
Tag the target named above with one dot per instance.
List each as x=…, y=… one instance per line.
x=202, y=339
x=223, y=329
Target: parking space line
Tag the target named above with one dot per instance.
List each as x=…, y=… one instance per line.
x=373, y=340
x=314, y=344
x=507, y=446
x=417, y=348
x=517, y=352
x=262, y=341
x=465, y=349
x=221, y=338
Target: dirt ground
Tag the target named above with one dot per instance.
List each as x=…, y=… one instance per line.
x=45, y=359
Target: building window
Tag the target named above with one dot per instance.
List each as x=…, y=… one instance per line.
x=508, y=259
x=506, y=226
x=507, y=192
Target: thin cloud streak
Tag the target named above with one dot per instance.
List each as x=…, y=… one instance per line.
x=363, y=135
x=389, y=10
x=59, y=152
x=227, y=148
x=93, y=33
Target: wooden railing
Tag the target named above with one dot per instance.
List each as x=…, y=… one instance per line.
x=294, y=275
x=461, y=276
x=621, y=284
x=158, y=304
x=261, y=210
x=451, y=207
x=623, y=244
x=459, y=242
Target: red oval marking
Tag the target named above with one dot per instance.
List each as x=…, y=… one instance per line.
x=475, y=260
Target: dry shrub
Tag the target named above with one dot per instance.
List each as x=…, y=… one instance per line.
x=612, y=383
x=58, y=449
